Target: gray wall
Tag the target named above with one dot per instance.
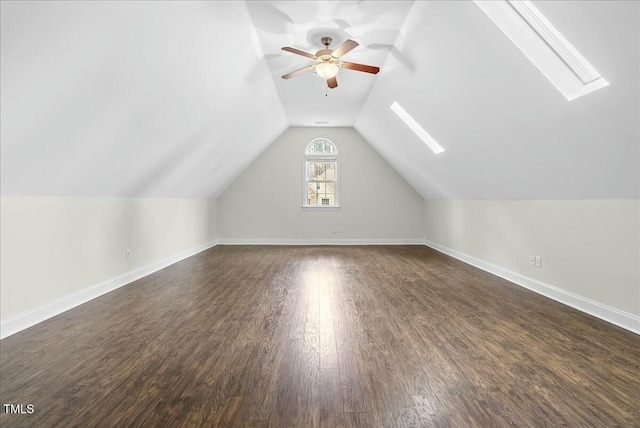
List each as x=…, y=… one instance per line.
x=265, y=203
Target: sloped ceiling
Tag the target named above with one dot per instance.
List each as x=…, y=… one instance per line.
x=507, y=132
x=170, y=99
x=175, y=99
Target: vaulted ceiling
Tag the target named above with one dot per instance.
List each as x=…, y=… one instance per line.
x=176, y=99
x=306, y=99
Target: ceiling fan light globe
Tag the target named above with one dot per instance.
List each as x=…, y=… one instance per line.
x=327, y=70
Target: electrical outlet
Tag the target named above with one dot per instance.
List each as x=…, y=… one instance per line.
x=127, y=254
x=538, y=261
x=532, y=260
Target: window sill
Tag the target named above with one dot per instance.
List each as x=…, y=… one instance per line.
x=321, y=208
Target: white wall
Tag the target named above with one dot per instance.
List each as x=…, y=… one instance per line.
x=265, y=203
x=589, y=248
x=53, y=248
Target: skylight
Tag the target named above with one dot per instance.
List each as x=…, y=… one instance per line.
x=544, y=46
x=415, y=127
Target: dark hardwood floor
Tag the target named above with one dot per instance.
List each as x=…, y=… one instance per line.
x=337, y=336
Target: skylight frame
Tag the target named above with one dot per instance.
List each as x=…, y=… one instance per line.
x=416, y=128
x=556, y=41
x=545, y=46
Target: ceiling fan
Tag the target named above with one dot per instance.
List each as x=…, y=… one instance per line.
x=327, y=62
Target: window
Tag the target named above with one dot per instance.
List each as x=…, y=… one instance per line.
x=416, y=128
x=545, y=46
x=320, y=174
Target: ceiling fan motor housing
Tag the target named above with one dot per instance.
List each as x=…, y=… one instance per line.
x=324, y=55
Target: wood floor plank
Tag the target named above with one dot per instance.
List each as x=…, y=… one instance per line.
x=334, y=336
x=350, y=388
x=266, y=365
x=328, y=349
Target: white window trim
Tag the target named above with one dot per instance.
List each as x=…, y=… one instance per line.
x=544, y=45
x=335, y=157
x=556, y=41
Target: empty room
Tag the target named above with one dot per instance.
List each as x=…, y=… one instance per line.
x=320, y=213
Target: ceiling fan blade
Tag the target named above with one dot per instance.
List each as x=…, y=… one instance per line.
x=360, y=67
x=299, y=52
x=299, y=71
x=332, y=83
x=344, y=48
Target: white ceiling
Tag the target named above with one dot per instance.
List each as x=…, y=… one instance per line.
x=165, y=99
x=306, y=98
x=175, y=99
x=508, y=133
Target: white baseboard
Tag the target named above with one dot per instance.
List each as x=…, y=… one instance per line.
x=23, y=321
x=614, y=316
x=37, y=315
x=250, y=241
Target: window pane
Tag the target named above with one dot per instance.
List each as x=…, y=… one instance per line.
x=321, y=193
x=321, y=171
x=312, y=195
x=321, y=146
x=330, y=171
x=326, y=191
x=310, y=171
